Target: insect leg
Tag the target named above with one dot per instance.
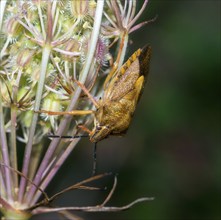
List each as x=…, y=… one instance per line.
x=74, y=112
x=88, y=94
x=82, y=127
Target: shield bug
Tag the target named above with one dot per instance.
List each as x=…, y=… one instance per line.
x=121, y=94
x=122, y=90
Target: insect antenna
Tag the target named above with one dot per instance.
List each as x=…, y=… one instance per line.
x=80, y=136
x=66, y=136
x=94, y=159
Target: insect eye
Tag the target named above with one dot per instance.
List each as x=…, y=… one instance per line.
x=98, y=127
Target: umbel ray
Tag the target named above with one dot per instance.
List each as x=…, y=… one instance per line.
x=122, y=90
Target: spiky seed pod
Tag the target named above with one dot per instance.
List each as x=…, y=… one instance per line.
x=13, y=28
x=24, y=57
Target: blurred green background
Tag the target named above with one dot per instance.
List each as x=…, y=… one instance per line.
x=172, y=149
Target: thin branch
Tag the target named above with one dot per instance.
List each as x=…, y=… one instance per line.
x=79, y=185
x=41, y=21
x=110, y=193
x=138, y=14
x=129, y=11
x=138, y=26
x=70, y=216
x=117, y=14
x=69, y=53
x=93, y=208
x=57, y=13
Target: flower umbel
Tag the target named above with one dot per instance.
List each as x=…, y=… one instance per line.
x=47, y=48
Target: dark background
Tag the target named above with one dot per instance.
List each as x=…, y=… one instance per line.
x=172, y=149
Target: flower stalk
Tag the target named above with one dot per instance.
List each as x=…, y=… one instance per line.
x=43, y=72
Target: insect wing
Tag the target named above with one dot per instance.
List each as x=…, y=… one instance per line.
x=144, y=60
x=124, y=81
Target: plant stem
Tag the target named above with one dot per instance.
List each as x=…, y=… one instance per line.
x=5, y=153
x=41, y=21
x=13, y=147
x=26, y=165
x=13, y=144
x=5, y=47
x=124, y=40
x=2, y=10
x=2, y=182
